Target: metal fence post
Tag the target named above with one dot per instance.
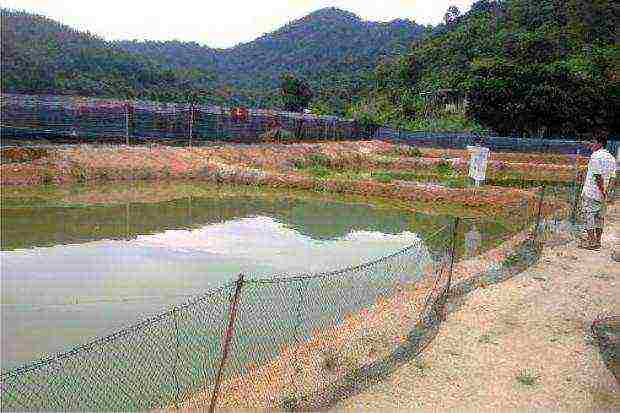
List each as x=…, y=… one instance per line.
x=232, y=313
x=455, y=227
x=526, y=214
x=176, y=362
x=538, y=217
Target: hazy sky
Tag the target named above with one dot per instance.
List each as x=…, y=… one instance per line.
x=216, y=23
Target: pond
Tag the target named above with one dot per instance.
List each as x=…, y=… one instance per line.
x=73, y=269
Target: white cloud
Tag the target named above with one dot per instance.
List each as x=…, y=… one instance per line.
x=216, y=23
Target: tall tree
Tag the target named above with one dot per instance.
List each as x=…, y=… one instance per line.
x=296, y=93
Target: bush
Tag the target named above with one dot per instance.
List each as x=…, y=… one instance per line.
x=383, y=177
x=318, y=159
x=444, y=168
x=406, y=151
x=22, y=154
x=527, y=378
x=319, y=171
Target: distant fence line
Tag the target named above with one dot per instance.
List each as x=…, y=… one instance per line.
x=460, y=140
x=30, y=117
x=137, y=121
x=288, y=342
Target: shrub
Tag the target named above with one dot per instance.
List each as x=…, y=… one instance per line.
x=80, y=174
x=406, y=151
x=527, y=379
x=383, y=177
x=444, y=168
x=22, y=154
x=319, y=171
x=318, y=159
x=329, y=360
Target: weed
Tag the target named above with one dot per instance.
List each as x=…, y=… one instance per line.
x=486, y=339
x=455, y=181
x=329, y=360
x=512, y=260
x=319, y=171
x=405, y=151
x=47, y=177
x=290, y=402
x=103, y=174
x=353, y=161
x=148, y=173
x=383, y=177
x=318, y=159
x=527, y=378
x=388, y=176
x=444, y=168
x=422, y=366
x=80, y=174
x=412, y=152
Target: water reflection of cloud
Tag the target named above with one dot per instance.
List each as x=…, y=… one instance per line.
x=90, y=289
x=265, y=240
x=182, y=261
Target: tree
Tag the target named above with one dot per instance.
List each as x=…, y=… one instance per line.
x=452, y=16
x=296, y=93
x=516, y=99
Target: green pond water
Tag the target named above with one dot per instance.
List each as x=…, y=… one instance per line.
x=70, y=273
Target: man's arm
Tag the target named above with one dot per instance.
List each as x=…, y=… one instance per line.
x=611, y=191
x=600, y=184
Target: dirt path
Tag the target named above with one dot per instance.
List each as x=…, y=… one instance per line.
x=523, y=344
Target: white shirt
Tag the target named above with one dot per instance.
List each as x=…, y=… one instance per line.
x=601, y=163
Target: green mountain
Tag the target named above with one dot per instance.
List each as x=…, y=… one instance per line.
x=333, y=50
x=40, y=55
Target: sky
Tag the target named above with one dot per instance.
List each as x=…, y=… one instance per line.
x=216, y=23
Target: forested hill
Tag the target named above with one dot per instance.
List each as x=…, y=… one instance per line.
x=334, y=50
x=526, y=67
x=40, y=55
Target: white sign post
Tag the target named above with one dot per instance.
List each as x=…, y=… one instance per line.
x=478, y=160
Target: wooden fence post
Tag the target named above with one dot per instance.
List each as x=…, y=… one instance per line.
x=232, y=314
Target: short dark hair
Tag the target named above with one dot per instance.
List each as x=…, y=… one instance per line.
x=601, y=138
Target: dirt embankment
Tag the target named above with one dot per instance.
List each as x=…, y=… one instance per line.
x=521, y=345
x=272, y=165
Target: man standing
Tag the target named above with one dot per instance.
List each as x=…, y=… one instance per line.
x=596, y=188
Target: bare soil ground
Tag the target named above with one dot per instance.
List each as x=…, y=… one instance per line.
x=520, y=345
